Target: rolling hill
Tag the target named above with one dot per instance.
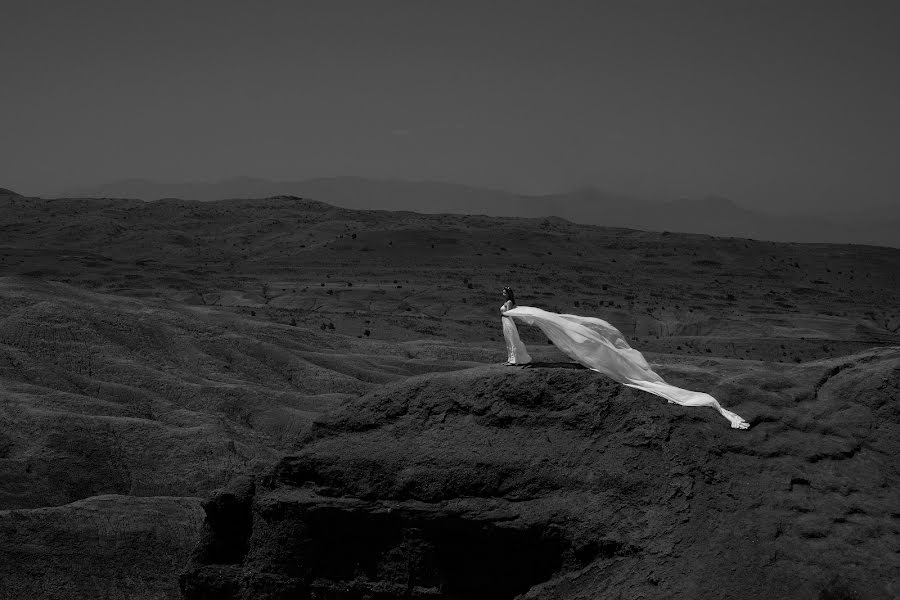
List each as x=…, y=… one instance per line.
x=342, y=364
x=708, y=215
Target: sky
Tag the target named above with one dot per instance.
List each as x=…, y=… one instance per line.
x=783, y=105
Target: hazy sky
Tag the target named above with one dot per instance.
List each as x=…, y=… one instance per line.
x=779, y=105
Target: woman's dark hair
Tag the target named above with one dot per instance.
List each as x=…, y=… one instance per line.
x=509, y=294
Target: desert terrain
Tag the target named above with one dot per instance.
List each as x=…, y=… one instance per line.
x=279, y=398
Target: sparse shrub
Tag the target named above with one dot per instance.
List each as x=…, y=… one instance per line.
x=705, y=262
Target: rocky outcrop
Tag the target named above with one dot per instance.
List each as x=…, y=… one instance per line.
x=556, y=482
x=101, y=547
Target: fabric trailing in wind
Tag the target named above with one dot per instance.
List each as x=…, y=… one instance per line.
x=598, y=345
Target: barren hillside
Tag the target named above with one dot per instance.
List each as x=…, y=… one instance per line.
x=152, y=352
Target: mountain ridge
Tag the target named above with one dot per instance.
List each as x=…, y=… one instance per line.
x=711, y=214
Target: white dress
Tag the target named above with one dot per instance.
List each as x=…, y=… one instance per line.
x=515, y=349
x=599, y=346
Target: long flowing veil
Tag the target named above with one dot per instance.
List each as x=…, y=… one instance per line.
x=599, y=346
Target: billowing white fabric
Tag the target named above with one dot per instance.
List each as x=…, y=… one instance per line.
x=599, y=346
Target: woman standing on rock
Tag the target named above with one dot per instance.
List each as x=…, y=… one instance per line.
x=515, y=350
x=601, y=347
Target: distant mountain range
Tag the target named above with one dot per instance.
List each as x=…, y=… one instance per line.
x=711, y=215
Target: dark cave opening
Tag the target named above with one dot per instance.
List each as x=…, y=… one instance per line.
x=354, y=555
